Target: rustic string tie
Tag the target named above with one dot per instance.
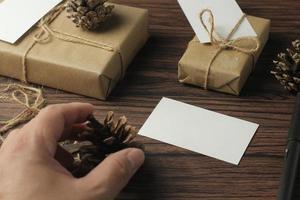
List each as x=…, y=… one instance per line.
x=28, y=97
x=32, y=98
x=226, y=43
x=46, y=33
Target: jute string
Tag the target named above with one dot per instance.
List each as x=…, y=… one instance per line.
x=32, y=98
x=46, y=33
x=225, y=43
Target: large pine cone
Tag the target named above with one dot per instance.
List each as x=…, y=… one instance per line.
x=287, y=68
x=98, y=141
x=89, y=14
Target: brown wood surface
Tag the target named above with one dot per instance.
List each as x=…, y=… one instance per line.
x=177, y=174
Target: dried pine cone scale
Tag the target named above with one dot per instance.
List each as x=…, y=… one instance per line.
x=89, y=14
x=287, y=68
x=100, y=140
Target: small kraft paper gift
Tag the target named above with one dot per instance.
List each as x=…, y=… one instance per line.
x=223, y=64
x=58, y=54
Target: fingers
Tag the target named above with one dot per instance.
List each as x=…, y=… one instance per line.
x=54, y=119
x=72, y=132
x=52, y=122
x=109, y=178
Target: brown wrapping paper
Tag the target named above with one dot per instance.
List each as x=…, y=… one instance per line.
x=79, y=68
x=230, y=69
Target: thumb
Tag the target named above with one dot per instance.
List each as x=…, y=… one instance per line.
x=108, y=178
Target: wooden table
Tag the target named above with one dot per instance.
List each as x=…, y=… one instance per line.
x=177, y=174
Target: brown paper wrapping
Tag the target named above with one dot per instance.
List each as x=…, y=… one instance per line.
x=229, y=70
x=79, y=68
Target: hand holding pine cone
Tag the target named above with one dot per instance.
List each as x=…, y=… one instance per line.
x=287, y=68
x=89, y=14
x=98, y=141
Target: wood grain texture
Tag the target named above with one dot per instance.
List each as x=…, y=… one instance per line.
x=177, y=174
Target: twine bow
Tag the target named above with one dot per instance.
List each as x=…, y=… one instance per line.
x=29, y=97
x=226, y=43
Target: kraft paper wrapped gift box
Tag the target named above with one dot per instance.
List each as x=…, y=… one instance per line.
x=230, y=69
x=73, y=66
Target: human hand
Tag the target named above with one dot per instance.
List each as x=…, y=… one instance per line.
x=30, y=160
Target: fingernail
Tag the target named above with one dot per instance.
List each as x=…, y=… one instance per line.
x=136, y=158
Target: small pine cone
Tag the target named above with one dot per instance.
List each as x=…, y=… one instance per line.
x=111, y=136
x=287, y=68
x=98, y=141
x=89, y=14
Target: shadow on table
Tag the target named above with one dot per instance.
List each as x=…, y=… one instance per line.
x=144, y=185
x=296, y=195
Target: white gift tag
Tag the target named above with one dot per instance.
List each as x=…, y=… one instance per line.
x=18, y=16
x=227, y=13
x=199, y=130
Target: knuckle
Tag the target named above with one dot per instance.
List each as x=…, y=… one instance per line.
x=12, y=134
x=50, y=109
x=15, y=143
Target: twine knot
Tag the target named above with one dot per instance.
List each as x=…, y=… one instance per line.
x=29, y=97
x=226, y=43
x=46, y=33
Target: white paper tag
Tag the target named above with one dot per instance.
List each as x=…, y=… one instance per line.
x=199, y=130
x=18, y=16
x=227, y=13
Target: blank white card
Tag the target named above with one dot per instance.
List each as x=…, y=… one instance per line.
x=18, y=16
x=199, y=130
x=226, y=13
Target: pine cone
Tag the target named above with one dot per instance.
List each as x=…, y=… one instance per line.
x=110, y=136
x=88, y=14
x=287, y=68
x=98, y=141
